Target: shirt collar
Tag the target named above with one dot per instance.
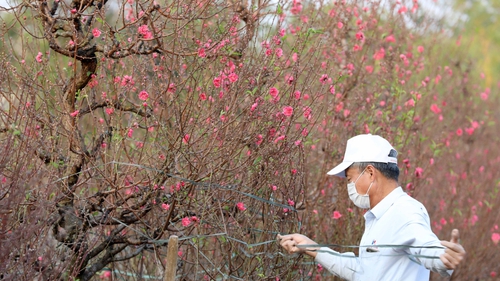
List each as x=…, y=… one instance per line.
x=379, y=210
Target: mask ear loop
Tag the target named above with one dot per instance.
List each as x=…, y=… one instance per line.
x=359, y=176
x=369, y=189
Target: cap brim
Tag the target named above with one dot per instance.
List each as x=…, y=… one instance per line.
x=339, y=170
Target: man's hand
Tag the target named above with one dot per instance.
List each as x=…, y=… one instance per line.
x=454, y=252
x=291, y=241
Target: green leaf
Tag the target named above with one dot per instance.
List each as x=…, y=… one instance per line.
x=279, y=10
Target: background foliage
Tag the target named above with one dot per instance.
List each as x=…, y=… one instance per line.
x=126, y=122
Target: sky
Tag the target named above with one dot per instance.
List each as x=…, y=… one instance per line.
x=435, y=8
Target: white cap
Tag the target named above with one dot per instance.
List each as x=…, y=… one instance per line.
x=364, y=148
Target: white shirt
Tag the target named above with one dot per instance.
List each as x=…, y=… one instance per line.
x=396, y=220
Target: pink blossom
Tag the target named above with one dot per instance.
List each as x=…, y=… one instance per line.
x=130, y=132
x=336, y=215
x=203, y=96
x=360, y=36
x=241, y=206
x=495, y=237
x=296, y=8
x=254, y=106
x=280, y=138
x=369, y=68
x=233, y=77
x=287, y=111
x=279, y=52
x=324, y=78
x=402, y=10
x=126, y=81
x=340, y=25
x=186, y=138
x=144, y=31
x=469, y=130
x=473, y=221
x=186, y=221
x=201, y=53
x=143, y=95
x=459, y=131
x=74, y=113
x=332, y=89
x=435, y=108
x=410, y=103
x=418, y=172
x=217, y=82
x=105, y=274
x=296, y=95
x=390, y=38
x=109, y=110
x=165, y=206
x=290, y=202
x=420, y=49
x=171, y=88
x=39, y=57
x=437, y=79
x=273, y=92
x=96, y=32
x=380, y=54
x=259, y=139
x=307, y=112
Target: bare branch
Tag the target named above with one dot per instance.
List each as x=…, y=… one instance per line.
x=139, y=110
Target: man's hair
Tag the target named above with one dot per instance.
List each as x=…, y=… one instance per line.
x=389, y=170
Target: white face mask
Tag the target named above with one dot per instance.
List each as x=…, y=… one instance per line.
x=362, y=201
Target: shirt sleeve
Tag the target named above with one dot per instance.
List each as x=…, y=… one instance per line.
x=343, y=265
x=426, y=248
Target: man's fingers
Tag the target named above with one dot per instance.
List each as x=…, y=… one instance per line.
x=282, y=238
x=455, y=235
x=450, y=245
x=445, y=259
x=454, y=253
x=290, y=246
x=450, y=260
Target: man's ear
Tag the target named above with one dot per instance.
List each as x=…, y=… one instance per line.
x=370, y=170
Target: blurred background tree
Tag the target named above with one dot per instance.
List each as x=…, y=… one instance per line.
x=475, y=25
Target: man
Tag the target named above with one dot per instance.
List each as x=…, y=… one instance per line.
x=398, y=243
